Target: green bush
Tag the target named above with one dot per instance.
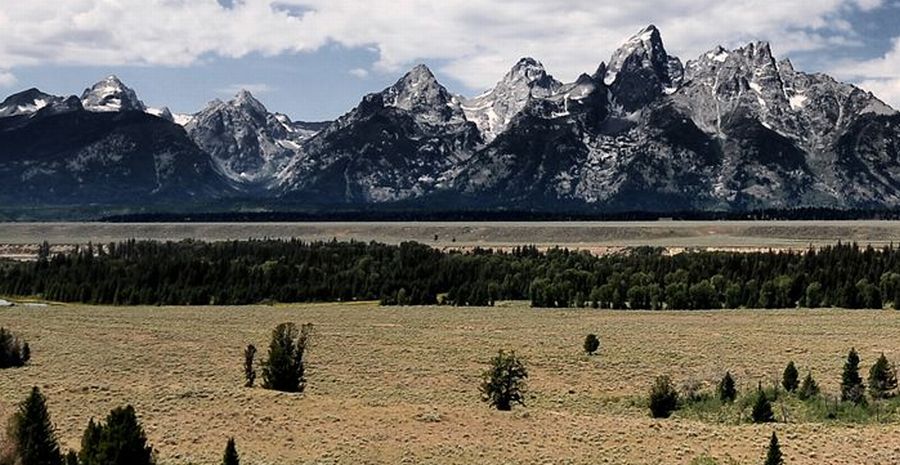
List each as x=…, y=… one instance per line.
x=504, y=381
x=663, y=398
x=591, y=344
x=285, y=367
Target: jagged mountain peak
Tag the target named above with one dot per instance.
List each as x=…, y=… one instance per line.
x=111, y=95
x=33, y=100
x=420, y=93
x=641, y=70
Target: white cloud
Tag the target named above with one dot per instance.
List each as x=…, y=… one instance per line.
x=881, y=75
x=255, y=88
x=475, y=40
x=7, y=79
x=359, y=72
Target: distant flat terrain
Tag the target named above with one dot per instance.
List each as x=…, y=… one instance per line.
x=595, y=236
x=394, y=385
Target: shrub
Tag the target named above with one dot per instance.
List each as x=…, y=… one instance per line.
x=32, y=436
x=284, y=369
x=808, y=389
x=591, y=344
x=790, y=379
x=118, y=441
x=249, y=369
x=852, y=388
x=882, y=379
x=726, y=389
x=663, y=398
x=762, y=408
x=231, y=455
x=504, y=381
x=773, y=455
x=14, y=352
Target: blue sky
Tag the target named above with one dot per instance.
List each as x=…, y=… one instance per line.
x=314, y=59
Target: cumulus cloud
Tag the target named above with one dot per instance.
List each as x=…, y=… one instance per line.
x=881, y=75
x=7, y=79
x=254, y=88
x=474, y=40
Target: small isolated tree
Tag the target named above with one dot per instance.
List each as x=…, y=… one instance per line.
x=663, y=398
x=726, y=389
x=504, y=381
x=790, y=379
x=231, y=454
x=285, y=367
x=32, y=435
x=882, y=379
x=249, y=368
x=762, y=408
x=591, y=344
x=852, y=388
x=118, y=441
x=808, y=389
x=14, y=352
x=773, y=455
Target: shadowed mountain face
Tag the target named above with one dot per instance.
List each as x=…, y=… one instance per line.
x=730, y=130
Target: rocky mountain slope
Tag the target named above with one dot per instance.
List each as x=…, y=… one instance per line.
x=729, y=130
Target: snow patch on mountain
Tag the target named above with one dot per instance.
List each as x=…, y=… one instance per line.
x=111, y=95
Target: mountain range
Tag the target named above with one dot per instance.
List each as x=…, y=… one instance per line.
x=730, y=130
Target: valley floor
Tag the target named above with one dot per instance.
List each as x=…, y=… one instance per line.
x=400, y=385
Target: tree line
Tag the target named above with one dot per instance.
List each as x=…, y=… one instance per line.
x=260, y=271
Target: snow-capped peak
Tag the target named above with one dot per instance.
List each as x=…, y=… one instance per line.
x=111, y=95
x=31, y=101
x=492, y=111
x=646, y=47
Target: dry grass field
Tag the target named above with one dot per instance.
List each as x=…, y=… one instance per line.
x=599, y=237
x=397, y=386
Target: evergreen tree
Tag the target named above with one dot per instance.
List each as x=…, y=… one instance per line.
x=882, y=379
x=284, y=369
x=726, y=389
x=852, y=388
x=249, y=369
x=663, y=398
x=33, y=434
x=773, y=455
x=231, y=454
x=808, y=389
x=118, y=441
x=762, y=408
x=504, y=381
x=790, y=379
x=591, y=344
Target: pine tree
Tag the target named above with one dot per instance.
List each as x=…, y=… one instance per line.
x=504, y=381
x=33, y=433
x=726, y=389
x=808, y=389
x=762, y=408
x=882, y=379
x=284, y=369
x=118, y=441
x=231, y=454
x=663, y=398
x=773, y=456
x=591, y=344
x=249, y=369
x=790, y=379
x=852, y=388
